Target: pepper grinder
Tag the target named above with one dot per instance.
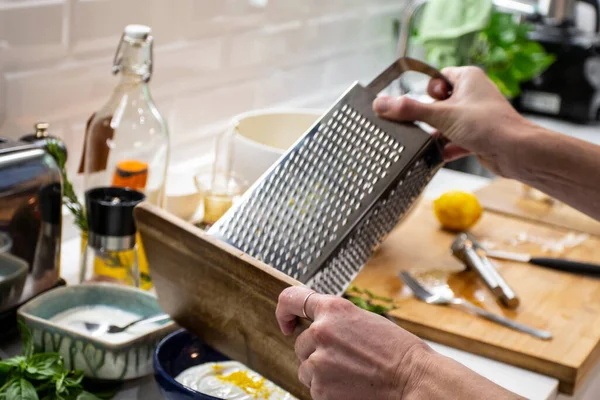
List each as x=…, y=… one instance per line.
x=111, y=235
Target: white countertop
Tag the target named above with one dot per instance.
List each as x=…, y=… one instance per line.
x=528, y=384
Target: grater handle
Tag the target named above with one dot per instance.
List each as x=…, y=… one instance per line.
x=399, y=67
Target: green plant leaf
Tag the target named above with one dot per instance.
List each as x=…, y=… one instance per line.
x=21, y=389
x=59, y=382
x=74, y=379
x=359, y=302
x=7, y=384
x=26, y=340
x=498, y=55
x=11, y=365
x=87, y=396
x=44, y=366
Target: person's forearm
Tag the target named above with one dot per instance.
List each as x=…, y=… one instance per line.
x=565, y=168
x=439, y=377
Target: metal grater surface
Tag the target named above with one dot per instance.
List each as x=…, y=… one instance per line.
x=318, y=214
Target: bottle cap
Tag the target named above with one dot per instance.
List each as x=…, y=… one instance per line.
x=137, y=32
x=110, y=210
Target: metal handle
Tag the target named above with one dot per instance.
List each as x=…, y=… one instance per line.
x=400, y=66
x=509, y=323
x=476, y=264
x=490, y=276
x=141, y=321
x=507, y=295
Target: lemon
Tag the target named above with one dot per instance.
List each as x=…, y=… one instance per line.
x=457, y=211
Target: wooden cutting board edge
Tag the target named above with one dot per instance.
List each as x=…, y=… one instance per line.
x=569, y=379
x=507, y=214
x=555, y=221
x=588, y=365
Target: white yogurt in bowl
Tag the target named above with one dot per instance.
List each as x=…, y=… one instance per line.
x=74, y=318
x=231, y=380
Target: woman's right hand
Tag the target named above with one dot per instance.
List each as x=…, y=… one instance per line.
x=476, y=118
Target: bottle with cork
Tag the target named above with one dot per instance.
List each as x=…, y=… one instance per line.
x=126, y=141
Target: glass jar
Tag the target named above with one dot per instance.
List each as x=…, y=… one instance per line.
x=127, y=141
x=111, y=237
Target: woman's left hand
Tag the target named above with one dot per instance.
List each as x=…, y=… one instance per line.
x=349, y=353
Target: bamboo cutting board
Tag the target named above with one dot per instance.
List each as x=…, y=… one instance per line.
x=505, y=196
x=567, y=305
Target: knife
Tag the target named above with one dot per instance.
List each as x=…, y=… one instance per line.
x=560, y=264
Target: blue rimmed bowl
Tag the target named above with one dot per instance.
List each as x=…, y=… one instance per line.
x=176, y=353
x=97, y=358
x=13, y=274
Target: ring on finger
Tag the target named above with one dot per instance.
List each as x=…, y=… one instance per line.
x=304, y=306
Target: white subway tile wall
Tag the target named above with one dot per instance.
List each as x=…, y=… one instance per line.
x=214, y=59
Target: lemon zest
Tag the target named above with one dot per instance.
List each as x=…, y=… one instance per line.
x=241, y=379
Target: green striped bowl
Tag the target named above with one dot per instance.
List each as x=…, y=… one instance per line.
x=99, y=359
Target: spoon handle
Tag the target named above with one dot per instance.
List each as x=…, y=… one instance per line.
x=509, y=323
x=148, y=320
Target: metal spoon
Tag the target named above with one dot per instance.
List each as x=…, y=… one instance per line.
x=97, y=329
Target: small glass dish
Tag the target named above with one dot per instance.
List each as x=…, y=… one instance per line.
x=217, y=202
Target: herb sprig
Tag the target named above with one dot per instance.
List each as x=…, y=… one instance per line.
x=364, y=298
x=69, y=196
x=40, y=376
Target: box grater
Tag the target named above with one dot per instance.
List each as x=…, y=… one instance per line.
x=318, y=214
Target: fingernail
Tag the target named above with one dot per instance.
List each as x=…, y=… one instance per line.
x=381, y=105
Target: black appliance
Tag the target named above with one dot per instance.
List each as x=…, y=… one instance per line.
x=570, y=88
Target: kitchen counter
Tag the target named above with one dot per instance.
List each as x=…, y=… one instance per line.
x=525, y=383
x=528, y=384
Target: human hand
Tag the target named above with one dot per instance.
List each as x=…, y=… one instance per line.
x=476, y=118
x=348, y=353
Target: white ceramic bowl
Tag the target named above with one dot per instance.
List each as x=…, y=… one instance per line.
x=263, y=136
x=182, y=196
x=95, y=356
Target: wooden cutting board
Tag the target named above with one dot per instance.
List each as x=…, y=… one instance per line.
x=505, y=196
x=567, y=305
x=222, y=295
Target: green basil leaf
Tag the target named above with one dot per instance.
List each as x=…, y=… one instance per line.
x=74, y=379
x=87, y=396
x=12, y=364
x=59, y=381
x=21, y=389
x=7, y=384
x=359, y=302
x=26, y=340
x=44, y=366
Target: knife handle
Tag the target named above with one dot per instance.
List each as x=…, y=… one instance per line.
x=566, y=265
